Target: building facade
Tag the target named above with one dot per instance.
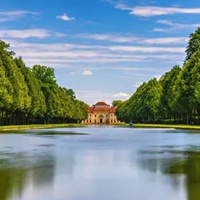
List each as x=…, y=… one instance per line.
x=101, y=113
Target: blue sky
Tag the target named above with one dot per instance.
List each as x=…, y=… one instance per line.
x=102, y=49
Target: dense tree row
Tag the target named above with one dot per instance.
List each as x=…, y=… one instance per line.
x=174, y=98
x=33, y=95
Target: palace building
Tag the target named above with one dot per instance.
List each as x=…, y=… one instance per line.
x=101, y=113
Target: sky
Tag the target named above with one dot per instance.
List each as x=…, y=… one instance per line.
x=102, y=49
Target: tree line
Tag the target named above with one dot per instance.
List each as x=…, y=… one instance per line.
x=32, y=95
x=174, y=98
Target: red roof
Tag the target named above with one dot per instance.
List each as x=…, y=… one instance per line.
x=101, y=103
x=109, y=109
x=101, y=106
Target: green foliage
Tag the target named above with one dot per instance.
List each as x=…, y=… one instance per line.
x=193, y=44
x=175, y=98
x=38, y=106
x=32, y=95
x=168, y=102
x=144, y=104
x=21, y=99
x=117, y=103
x=71, y=93
x=45, y=75
x=6, y=90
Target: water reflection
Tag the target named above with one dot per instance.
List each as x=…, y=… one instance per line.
x=18, y=170
x=118, y=164
x=176, y=162
x=46, y=132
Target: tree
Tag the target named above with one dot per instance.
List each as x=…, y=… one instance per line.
x=32, y=95
x=71, y=93
x=21, y=99
x=167, y=81
x=6, y=92
x=38, y=106
x=144, y=104
x=46, y=76
x=193, y=44
x=117, y=103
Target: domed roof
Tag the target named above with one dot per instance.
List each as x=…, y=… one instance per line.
x=102, y=106
x=101, y=103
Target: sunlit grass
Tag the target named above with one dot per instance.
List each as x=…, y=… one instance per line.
x=11, y=128
x=176, y=126
x=35, y=126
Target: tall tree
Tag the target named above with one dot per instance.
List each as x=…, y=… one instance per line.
x=21, y=99
x=193, y=44
x=6, y=93
x=38, y=106
x=185, y=101
x=167, y=82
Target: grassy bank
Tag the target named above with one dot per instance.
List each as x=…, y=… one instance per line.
x=35, y=126
x=176, y=126
x=44, y=126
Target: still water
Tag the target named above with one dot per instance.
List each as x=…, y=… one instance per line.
x=100, y=163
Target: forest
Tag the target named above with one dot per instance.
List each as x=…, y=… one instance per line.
x=174, y=98
x=32, y=95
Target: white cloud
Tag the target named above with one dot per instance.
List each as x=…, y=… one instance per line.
x=27, y=33
x=145, y=49
x=44, y=33
x=63, y=55
x=109, y=37
x=57, y=34
x=64, y=17
x=137, y=84
x=121, y=95
x=174, y=26
x=150, y=11
x=87, y=72
x=131, y=39
x=167, y=40
x=123, y=68
x=14, y=15
x=91, y=96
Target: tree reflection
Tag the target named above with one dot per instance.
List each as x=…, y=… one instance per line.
x=191, y=168
x=185, y=163
x=18, y=170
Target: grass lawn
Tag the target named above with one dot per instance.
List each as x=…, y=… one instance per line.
x=35, y=126
x=176, y=126
x=11, y=128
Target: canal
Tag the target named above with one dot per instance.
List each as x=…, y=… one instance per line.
x=100, y=163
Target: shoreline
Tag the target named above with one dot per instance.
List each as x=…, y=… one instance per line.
x=10, y=128
x=175, y=126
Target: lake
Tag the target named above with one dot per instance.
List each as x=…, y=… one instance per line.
x=100, y=163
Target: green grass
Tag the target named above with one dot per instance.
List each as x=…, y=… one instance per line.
x=16, y=128
x=176, y=126
x=35, y=126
